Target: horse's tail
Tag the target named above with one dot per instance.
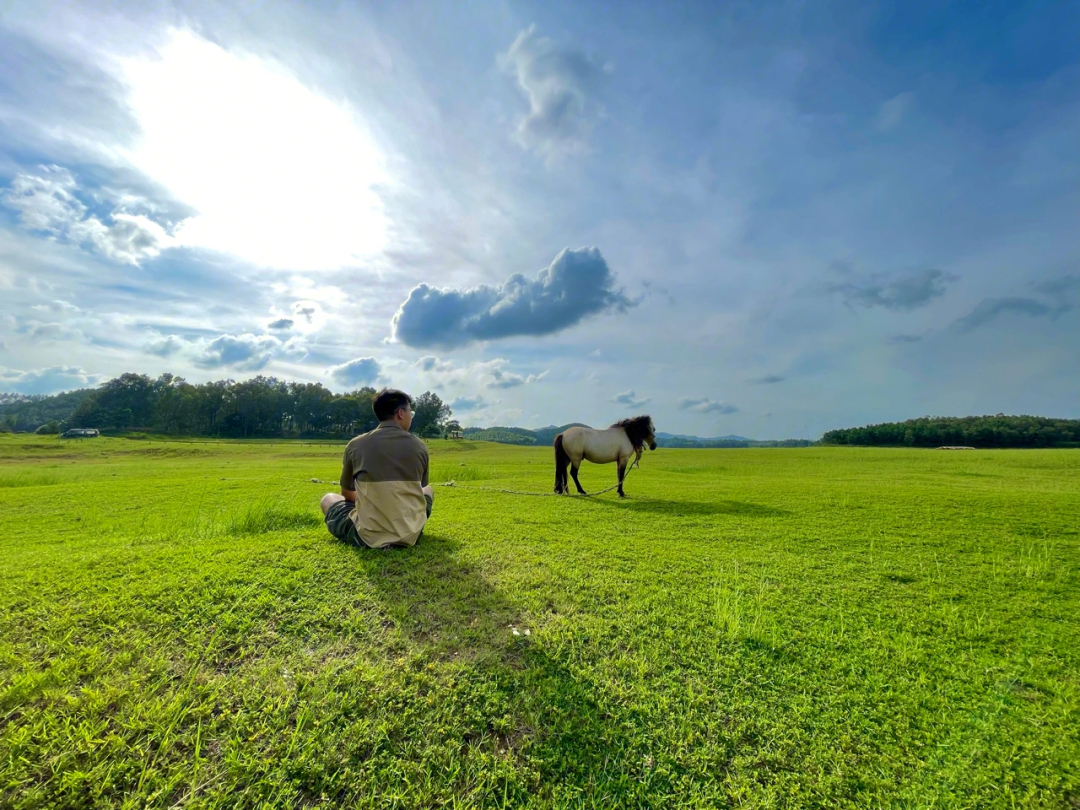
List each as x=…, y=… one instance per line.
x=562, y=461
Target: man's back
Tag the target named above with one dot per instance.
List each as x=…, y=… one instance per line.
x=387, y=468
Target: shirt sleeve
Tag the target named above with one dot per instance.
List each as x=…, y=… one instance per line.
x=347, y=473
x=424, y=475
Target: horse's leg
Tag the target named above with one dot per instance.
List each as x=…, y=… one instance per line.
x=622, y=475
x=573, y=472
x=562, y=461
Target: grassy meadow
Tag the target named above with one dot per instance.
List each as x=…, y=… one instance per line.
x=823, y=627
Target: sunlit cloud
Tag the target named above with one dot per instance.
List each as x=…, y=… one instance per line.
x=280, y=176
x=46, y=202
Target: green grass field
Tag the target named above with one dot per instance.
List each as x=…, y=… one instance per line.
x=824, y=627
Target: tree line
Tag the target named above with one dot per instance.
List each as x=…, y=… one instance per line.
x=25, y=414
x=266, y=407
x=263, y=407
x=968, y=431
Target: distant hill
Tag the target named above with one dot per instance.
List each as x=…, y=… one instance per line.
x=545, y=436
x=692, y=442
x=730, y=438
x=502, y=435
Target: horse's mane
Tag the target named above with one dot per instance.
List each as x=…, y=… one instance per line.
x=637, y=429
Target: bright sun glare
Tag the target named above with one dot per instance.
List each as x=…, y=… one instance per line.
x=280, y=176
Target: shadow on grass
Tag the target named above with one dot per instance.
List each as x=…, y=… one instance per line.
x=690, y=508
x=439, y=601
x=552, y=722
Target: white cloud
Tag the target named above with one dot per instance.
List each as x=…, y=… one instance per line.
x=46, y=380
x=307, y=315
x=906, y=292
x=295, y=348
x=428, y=363
x=504, y=379
x=279, y=175
x=475, y=403
x=361, y=371
x=245, y=352
x=51, y=330
x=47, y=202
x=164, y=346
x=57, y=306
x=706, y=405
x=130, y=238
x=490, y=373
x=559, y=86
x=892, y=112
x=576, y=285
x=506, y=417
x=630, y=399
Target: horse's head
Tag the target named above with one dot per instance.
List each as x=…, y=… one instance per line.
x=640, y=432
x=650, y=435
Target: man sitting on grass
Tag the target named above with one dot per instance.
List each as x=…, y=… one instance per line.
x=385, y=497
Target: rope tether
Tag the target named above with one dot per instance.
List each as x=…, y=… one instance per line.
x=522, y=492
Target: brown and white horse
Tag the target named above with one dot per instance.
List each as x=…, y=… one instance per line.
x=618, y=443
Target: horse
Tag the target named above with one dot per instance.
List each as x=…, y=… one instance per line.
x=618, y=443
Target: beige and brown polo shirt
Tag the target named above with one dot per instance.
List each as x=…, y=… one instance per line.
x=387, y=468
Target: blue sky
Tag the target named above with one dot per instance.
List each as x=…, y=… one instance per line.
x=761, y=219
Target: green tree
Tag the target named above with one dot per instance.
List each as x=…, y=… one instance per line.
x=429, y=415
x=125, y=402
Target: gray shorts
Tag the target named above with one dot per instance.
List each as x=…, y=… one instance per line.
x=341, y=526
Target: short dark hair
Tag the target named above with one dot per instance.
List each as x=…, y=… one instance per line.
x=388, y=401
